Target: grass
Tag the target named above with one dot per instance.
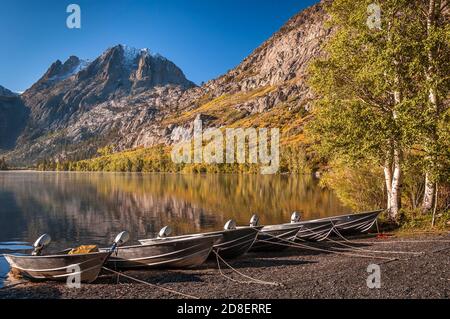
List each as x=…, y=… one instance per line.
x=413, y=222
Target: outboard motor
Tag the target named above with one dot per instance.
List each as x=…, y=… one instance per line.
x=254, y=221
x=165, y=232
x=229, y=225
x=295, y=217
x=40, y=244
x=120, y=239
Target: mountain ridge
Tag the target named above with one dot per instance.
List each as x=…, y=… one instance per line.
x=129, y=98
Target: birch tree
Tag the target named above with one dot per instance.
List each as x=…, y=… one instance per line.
x=436, y=49
x=365, y=90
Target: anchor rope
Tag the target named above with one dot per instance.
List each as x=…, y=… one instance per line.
x=13, y=285
x=297, y=245
x=150, y=284
x=401, y=241
x=251, y=279
x=290, y=243
x=441, y=249
x=336, y=231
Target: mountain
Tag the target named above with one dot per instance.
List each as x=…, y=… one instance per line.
x=7, y=93
x=13, y=116
x=268, y=88
x=130, y=98
x=78, y=105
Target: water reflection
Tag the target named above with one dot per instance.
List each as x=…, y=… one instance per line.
x=92, y=207
x=10, y=248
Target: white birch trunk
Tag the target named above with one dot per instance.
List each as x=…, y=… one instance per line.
x=428, y=196
x=396, y=185
x=433, y=10
x=388, y=180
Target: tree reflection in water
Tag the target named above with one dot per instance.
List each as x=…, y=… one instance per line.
x=92, y=207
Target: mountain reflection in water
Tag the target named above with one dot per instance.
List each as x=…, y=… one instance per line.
x=80, y=208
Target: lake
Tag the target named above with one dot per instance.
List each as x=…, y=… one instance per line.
x=91, y=208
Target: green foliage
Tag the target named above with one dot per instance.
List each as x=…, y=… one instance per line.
x=359, y=187
x=414, y=220
x=356, y=116
x=373, y=97
x=105, y=151
x=158, y=159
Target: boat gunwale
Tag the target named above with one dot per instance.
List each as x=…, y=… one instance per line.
x=162, y=241
x=113, y=257
x=334, y=218
x=284, y=226
x=216, y=233
x=59, y=255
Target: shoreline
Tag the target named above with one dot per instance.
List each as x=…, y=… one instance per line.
x=301, y=273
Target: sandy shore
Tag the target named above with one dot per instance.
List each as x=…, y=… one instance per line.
x=300, y=273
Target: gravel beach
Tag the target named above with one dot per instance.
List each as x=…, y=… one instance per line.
x=329, y=270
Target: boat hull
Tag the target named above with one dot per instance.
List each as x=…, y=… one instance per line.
x=314, y=230
x=275, y=237
x=228, y=244
x=355, y=223
x=235, y=242
x=163, y=253
x=58, y=267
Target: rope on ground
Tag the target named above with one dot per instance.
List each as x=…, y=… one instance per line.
x=298, y=245
x=150, y=284
x=368, y=250
x=401, y=241
x=441, y=249
x=251, y=280
x=13, y=285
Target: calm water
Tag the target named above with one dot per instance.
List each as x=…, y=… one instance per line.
x=84, y=208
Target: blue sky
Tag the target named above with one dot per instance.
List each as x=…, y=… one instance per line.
x=205, y=38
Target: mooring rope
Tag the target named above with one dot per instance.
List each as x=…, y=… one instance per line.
x=441, y=249
x=402, y=241
x=252, y=280
x=13, y=285
x=298, y=245
x=150, y=284
x=290, y=243
x=336, y=231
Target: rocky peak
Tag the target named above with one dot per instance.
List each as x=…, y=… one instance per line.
x=59, y=71
x=4, y=92
x=282, y=58
x=129, y=68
